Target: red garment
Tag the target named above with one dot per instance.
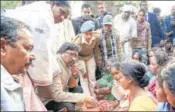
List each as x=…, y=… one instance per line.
x=152, y=87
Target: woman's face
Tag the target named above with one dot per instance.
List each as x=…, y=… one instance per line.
x=169, y=94
x=160, y=94
x=124, y=81
x=153, y=67
x=115, y=73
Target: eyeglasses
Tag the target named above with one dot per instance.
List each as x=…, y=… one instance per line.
x=73, y=54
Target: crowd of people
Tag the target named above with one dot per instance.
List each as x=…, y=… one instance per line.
x=51, y=62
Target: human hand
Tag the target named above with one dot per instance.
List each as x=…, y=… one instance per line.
x=75, y=71
x=91, y=102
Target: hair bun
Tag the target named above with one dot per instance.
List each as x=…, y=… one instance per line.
x=144, y=81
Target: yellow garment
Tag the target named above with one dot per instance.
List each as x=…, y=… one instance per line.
x=143, y=103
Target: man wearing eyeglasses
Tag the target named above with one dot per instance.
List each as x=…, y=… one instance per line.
x=64, y=92
x=40, y=17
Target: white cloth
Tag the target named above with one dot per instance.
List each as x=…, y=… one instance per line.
x=39, y=17
x=127, y=29
x=66, y=32
x=11, y=93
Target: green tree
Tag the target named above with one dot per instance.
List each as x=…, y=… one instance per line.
x=10, y=4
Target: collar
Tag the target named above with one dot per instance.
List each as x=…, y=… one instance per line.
x=85, y=42
x=61, y=61
x=7, y=81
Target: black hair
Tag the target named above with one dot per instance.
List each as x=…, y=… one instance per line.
x=68, y=46
x=156, y=10
x=168, y=76
x=116, y=65
x=9, y=29
x=142, y=10
x=161, y=56
x=138, y=53
x=142, y=2
x=111, y=60
x=64, y=3
x=85, y=5
x=137, y=72
x=160, y=78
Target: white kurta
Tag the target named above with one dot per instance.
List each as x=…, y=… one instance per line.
x=126, y=29
x=66, y=32
x=39, y=17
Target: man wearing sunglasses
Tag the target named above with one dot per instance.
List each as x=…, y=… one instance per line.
x=41, y=17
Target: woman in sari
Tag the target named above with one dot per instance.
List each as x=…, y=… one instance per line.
x=133, y=78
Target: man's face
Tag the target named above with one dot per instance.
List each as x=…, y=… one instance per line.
x=107, y=27
x=144, y=5
x=101, y=8
x=87, y=36
x=60, y=13
x=86, y=12
x=173, y=10
x=70, y=57
x=126, y=15
x=18, y=58
x=141, y=17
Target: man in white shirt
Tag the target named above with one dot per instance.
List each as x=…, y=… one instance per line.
x=16, y=45
x=41, y=17
x=127, y=28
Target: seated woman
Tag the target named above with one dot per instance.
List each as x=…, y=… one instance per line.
x=104, y=84
x=158, y=61
x=133, y=78
x=168, y=75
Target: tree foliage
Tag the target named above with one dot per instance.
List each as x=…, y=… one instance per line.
x=10, y=4
x=112, y=6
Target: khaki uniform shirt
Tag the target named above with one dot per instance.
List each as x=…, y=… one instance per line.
x=58, y=90
x=88, y=50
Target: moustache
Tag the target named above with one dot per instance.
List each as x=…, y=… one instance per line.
x=29, y=64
